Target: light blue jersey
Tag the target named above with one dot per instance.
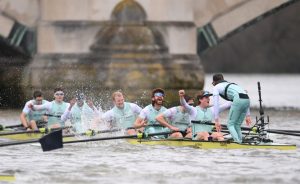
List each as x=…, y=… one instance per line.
x=123, y=117
x=149, y=114
x=177, y=118
x=34, y=114
x=57, y=109
x=203, y=115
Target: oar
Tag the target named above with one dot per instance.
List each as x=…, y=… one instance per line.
x=291, y=131
x=12, y=143
x=283, y=133
x=40, y=130
x=92, y=132
x=52, y=115
x=39, y=124
x=54, y=139
x=252, y=129
x=2, y=127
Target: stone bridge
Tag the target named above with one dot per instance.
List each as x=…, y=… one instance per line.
x=215, y=30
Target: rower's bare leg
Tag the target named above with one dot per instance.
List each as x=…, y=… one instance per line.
x=176, y=135
x=131, y=132
x=217, y=136
x=57, y=125
x=188, y=135
x=32, y=125
x=202, y=136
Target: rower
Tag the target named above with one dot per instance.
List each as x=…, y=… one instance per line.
x=123, y=114
x=30, y=118
x=239, y=109
x=179, y=120
x=78, y=109
x=54, y=109
x=200, y=114
x=147, y=116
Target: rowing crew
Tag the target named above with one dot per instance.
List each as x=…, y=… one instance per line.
x=153, y=118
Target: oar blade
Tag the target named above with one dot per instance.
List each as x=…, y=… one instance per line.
x=52, y=141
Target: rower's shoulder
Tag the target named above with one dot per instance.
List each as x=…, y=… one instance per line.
x=45, y=101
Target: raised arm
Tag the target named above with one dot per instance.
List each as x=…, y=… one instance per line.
x=66, y=115
x=189, y=109
x=90, y=103
x=45, y=106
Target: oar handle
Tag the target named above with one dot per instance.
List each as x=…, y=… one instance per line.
x=40, y=130
x=2, y=127
x=52, y=115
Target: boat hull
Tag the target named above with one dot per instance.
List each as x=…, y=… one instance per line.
x=211, y=144
x=22, y=136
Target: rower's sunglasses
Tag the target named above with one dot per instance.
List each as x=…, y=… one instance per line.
x=159, y=94
x=59, y=94
x=206, y=93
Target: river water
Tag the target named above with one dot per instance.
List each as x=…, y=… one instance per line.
x=119, y=162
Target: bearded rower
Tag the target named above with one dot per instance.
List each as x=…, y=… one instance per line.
x=54, y=109
x=123, y=114
x=147, y=116
x=29, y=117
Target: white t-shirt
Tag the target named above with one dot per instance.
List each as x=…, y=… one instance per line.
x=27, y=110
x=109, y=116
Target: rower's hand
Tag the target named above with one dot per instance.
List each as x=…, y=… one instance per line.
x=27, y=129
x=218, y=125
x=188, y=130
x=30, y=106
x=72, y=102
x=144, y=123
x=90, y=103
x=174, y=129
x=248, y=120
x=181, y=93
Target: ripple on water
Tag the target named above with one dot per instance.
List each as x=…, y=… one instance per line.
x=119, y=162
